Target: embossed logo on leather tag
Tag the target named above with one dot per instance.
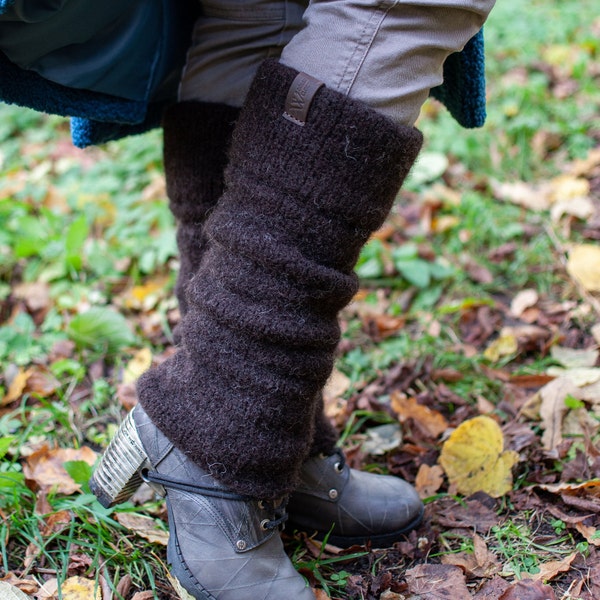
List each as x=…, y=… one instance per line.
x=299, y=98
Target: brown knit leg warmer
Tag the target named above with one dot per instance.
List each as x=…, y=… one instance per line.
x=196, y=139
x=259, y=338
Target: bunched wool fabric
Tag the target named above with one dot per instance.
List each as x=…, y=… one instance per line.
x=240, y=395
x=196, y=139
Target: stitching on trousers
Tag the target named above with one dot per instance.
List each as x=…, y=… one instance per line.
x=366, y=45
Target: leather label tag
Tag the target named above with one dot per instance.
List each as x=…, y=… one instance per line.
x=299, y=98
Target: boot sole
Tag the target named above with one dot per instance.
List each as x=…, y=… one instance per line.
x=118, y=476
x=375, y=541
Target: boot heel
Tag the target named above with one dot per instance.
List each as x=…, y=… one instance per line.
x=118, y=474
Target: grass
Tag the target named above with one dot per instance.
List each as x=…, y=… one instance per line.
x=91, y=226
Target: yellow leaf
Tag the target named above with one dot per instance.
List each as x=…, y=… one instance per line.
x=584, y=265
x=16, y=387
x=79, y=588
x=140, y=363
x=505, y=345
x=474, y=459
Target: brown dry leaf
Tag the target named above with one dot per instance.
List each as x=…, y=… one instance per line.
x=595, y=331
x=479, y=563
x=572, y=358
x=321, y=594
x=432, y=422
x=55, y=522
x=528, y=589
x=49, y=590
x=584, y=265
x=590, y=533
x=79, y=588
x=41, y=382
x=434, y=582
x=16, y=387
x=429, y=480
x=475, y=460
x=585, y=496
x=139, y=364
x=147, y=595
x=551, y=569
x=181, y=592
x=145, y=527
x=9, y=592
x=491, y=590
x=28, y=586
x=522, y=301
x=35, y=294
x=505, y=345
x=553, y=409
x=45, y=467
x=533, y=197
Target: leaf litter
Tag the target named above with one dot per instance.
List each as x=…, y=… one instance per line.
x=523, y=364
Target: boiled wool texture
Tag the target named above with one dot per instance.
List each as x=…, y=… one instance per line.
x=196, y=139
x=240, y=395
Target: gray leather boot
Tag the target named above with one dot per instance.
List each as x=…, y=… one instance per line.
x=222, y=545
x=355, y=506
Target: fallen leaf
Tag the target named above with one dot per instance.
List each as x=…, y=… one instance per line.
x=139, y=364
x=533, y=197
x=145, y=527
x=528, y=589
x=590, y=533
x=429, y=480
x=479, y=563
x=579, y=376
x=45, y=467
x=28, y=586
x=595, y=331
x=581, y=207
x=49, y=590
x=430, y=421
x=435, y=581
x=9, y=592
x=474, y=459
x=181, y=591
x=382, y=439
x=145, y=297
x=505, y=345
x=584, y=265
x=79, y=588
x=35, y=294
x=16, y=387
x=523, y=300
x=571, y=358
x=553, y=409
x=549, y=570
x=491, y=590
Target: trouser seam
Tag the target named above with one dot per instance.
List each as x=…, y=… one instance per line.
x=365, y=46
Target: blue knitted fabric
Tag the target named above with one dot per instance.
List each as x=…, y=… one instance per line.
x=98, y=118
x=463, y=90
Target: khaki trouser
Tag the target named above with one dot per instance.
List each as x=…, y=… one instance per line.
x=386, y=53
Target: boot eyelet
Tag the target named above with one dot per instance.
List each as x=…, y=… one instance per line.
x=339, y=467
x=264, y=524
x=261, y=504
x=333, y=493
x=241, y=545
